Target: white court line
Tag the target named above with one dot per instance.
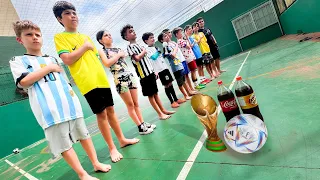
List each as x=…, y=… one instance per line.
x=188, y=165
x=25, y=174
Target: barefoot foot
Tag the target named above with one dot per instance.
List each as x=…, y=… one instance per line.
x=87, y=177
x=102, y=167
x=169, y=112
x=115, y=155
x=128, y=142
x=164, y=117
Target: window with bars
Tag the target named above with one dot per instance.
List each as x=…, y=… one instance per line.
x=255, y=20
x=284, y=4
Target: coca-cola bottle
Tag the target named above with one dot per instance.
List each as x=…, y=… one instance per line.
x=227, y=102
x=247, y=99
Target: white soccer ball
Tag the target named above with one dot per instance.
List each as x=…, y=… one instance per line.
x=245, y=133
x=16, y=151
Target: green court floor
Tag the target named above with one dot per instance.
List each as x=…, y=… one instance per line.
x=285, y=76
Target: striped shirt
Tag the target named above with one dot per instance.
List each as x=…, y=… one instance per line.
x=143, y=67
x=52, y=99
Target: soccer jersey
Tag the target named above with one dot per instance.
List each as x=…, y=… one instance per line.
x=175, y=63
x=52, y=100
x=187, y=53
x=156, y=59
x=195, y=48
x=204, y=47
x=210, y=38
x=143, y=67
x=87, y=72
x=179, y=54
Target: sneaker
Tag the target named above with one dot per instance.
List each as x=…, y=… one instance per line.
x=143, y=129
x=199, y=87
x=152, y=126
x=202, y=85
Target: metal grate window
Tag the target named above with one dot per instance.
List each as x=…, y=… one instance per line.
x=255, y=20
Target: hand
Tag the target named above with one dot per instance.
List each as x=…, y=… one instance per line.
x=88, y=45
x=121, y=54
x=54, y=68
x=144, y=51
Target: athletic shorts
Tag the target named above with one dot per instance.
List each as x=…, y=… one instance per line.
x=62, y=136
x=207, y=58
x=165, y=77
x=180, y=77
x=149, y=85
x=185, y=67
x=192, y=65
x=215, y=52
x=99, y=99
x=125, y=82
x=199, y=61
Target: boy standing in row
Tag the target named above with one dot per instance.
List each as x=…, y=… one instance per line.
x=78, y=52
x=145, y=71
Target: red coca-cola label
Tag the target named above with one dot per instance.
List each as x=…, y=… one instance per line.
x=228, y=105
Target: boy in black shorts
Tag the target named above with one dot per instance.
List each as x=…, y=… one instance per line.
x=161, y=68
x=145, y=71
x=214, y=49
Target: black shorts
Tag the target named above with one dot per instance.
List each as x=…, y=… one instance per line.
x=215, y=52
x=207, y=58
x=199, y=61
x=180, y=78
x=99, y=99
x=149, y=85
x=165, y=77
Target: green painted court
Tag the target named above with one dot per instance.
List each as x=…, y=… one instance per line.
x=285, y=76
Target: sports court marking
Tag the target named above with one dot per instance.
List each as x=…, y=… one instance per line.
x=189, y=163
x=25, y=174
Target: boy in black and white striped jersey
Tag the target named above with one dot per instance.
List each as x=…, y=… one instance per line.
x=145, y=71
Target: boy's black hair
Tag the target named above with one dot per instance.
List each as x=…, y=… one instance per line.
x=123, y=31
x=194, y=24
x=146, y=36
x=176, y=30
x=61, y=6
x=160, y=37
x=99, y=36
x=165, y=30
x=187, y=27
x=199, y=18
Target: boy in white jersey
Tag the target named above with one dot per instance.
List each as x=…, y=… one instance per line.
x=52, y=100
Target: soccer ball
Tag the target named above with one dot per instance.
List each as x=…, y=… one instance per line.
x=245, y=133
x=16, y=151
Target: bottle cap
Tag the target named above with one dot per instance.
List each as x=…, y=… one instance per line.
x=219, y=82
x=239, y=78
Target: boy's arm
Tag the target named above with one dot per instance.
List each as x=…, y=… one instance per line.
x=24, y=79
x=70, y=58
x=108, y=62
x=138, y=57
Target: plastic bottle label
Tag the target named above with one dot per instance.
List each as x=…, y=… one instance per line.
x=228, y=105
x=248, y=102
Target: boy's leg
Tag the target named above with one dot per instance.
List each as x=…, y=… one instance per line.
x=71, y=158
x=189, y=82
x=134, y=95
x=103, y=125
x=168, y=93
x=115, y=125
x=159, y=103
x=217, y=61
x=128, y=100
x=91, y=152
x=155, y=106
x=215, y=72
